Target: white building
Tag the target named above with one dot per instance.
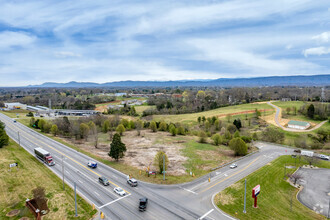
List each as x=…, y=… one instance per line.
x=301, y=125
x=15, y=105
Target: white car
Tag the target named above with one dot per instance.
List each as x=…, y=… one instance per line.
x=234, y=165
x=119, y=191
x=324, y=157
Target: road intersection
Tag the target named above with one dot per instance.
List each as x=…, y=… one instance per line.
x=191, y=200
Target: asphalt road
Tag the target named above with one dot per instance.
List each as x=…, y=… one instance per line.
x=316, y=192
x=183, y=201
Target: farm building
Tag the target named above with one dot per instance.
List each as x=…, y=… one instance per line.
x=298, y=125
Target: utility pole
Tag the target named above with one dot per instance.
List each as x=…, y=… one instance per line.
x=164, y=167
x=63, y=170
x=75, y=197
x=329, y=209
x=244, y=211
x=19, y=139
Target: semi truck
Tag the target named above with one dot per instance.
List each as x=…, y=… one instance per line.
x=307, y=153
x=44, y=155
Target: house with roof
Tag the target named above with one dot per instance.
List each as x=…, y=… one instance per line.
x=301, y=125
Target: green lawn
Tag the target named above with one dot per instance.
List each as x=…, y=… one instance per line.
x=275, y=195
x=18, y=113
x=16, y=186
x=139, y=109
x=192, y=118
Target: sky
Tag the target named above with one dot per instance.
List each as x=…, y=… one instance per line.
x=105, y=41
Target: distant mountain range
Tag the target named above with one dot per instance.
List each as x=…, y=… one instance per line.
x=314, y=80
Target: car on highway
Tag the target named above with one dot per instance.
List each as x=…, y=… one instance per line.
x=14, y=121
x=143, y=204
x=324, y=157
x=104, y=181
x=92, y=164
x=132, y=182
x=234, y=165
x=119, y=191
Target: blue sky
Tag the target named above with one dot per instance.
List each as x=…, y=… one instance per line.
x=104, y=41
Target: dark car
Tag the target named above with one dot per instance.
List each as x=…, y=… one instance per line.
x=132, y=182
x=104, y=181
x=143, y=204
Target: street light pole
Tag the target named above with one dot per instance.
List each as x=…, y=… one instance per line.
x=329, y=209
x=244, y=211
x=63, y=171
x=75, y=198
x=164, y=166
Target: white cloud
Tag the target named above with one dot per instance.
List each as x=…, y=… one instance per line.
x=316, y=51
x=9, y=38
x=64, y=54
x=243, y=61
x=323, y=38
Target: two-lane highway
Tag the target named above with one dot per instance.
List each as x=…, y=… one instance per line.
x=183, y=201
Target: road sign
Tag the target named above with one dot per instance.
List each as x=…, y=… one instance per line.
x=255, y=193
x=12, y=165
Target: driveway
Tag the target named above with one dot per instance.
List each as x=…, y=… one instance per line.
x=316, y=192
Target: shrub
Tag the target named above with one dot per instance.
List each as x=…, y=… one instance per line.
x=231, y=128
x=120, y=129
x=202, y=137
x=238, y=146
x=181, y=131
x=158, y=161
x=216, y=139
x=153, y=126
x=163, y=126
x=173, y=130
x=246, y=139
x=273, y=135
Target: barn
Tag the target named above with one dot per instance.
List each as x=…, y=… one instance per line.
x=301, y=125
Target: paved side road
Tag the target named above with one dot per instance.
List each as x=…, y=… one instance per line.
x=316, y=192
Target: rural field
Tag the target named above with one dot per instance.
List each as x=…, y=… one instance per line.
x=219, y=112
x=274, y=199
x=16, y=185
x=185, y=154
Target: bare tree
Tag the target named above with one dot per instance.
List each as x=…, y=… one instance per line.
x=295, y=177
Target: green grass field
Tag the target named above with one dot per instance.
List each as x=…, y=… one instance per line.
x=18, y=113
x=192, y=118
x=139, y=109
x=16, y=186
x=275, y=195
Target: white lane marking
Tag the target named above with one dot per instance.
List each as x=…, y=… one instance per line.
x=109, y=203
x=217, y=173
x=203, y=216
x=96, y=193
x=225, y=174
x=80, y=181
x=114, y=177
x=188, y=190
x=67, y=172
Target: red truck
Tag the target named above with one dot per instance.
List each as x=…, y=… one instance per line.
x=44, y=155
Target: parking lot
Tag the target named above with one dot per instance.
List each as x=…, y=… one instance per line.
x=316, y=192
